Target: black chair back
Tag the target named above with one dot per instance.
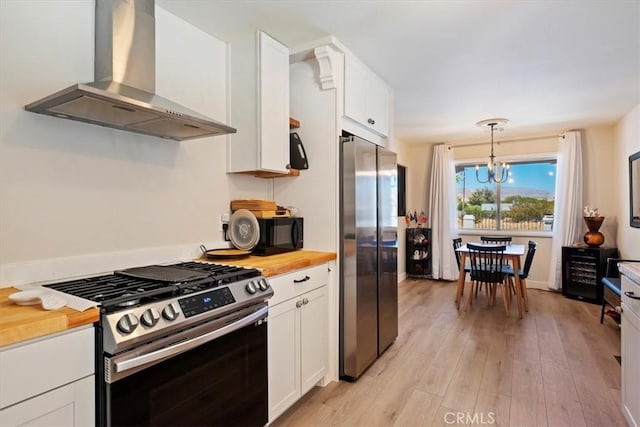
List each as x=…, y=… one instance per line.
x=487, y=263
x=457, y=242
x=498, y=240
x=529, y=259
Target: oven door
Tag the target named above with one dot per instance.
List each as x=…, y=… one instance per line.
x=210, y=375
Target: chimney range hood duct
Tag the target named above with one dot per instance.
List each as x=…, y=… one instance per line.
x=123, y=93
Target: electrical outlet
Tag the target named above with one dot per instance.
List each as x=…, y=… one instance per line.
x=224, y=220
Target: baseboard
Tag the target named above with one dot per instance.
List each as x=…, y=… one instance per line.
x=537, y=284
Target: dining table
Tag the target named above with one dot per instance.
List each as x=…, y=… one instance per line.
x=512, y=253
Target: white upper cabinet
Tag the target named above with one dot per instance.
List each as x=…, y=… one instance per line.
x=259, y=105
x=366, y=96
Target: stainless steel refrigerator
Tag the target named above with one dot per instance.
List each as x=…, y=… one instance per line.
x=368, y=254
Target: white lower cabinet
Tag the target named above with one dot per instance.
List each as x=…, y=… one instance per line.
x=49, y=382
x=298, y=336
x=69, y=405
x=630, y=351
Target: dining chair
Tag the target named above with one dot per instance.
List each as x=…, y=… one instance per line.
x=457, y=243
x=487, y=268
x=523, y=273
x=498, y=240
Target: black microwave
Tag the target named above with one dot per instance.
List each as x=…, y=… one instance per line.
x=278, y=235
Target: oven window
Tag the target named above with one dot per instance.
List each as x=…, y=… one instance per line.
x=223, y=382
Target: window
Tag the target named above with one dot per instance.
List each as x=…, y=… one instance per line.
x=524, y=202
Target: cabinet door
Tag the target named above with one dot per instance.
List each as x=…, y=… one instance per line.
x=366, y=96
x=630, y=367
x=355, y=90
x=284, y=356
x=70, y=405
x=274, y=104
x=378, y=103
x=313, y=337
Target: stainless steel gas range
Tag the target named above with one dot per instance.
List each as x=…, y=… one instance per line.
x=183, y=344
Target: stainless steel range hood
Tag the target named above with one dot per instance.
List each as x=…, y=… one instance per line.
x=123, y=93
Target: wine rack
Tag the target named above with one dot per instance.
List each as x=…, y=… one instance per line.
x=582, y=269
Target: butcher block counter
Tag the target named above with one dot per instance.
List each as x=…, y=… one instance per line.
x=278, y=264
x=23, y=322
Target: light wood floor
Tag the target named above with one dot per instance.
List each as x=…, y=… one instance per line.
x=555, y=367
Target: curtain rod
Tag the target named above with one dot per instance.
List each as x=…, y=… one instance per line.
x=507, y=140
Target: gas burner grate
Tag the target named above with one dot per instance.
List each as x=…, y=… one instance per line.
x=222, y=273
x=113, y=289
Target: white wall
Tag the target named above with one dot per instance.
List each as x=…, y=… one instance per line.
x=627, y=134
x=70, y=189
x=314, y=192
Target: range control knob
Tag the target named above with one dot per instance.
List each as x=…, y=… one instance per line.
x=264, y=285
x=150, y=317
x=251, y=288
x=127, y=323
x=171, y=311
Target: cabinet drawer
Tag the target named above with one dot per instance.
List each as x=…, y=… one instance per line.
x=34, y=368
x=290, y=285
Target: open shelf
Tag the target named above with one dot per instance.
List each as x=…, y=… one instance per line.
x=293, y=124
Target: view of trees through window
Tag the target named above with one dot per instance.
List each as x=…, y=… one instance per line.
x=524, y=201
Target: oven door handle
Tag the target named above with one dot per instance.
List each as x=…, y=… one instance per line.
x=187, y=345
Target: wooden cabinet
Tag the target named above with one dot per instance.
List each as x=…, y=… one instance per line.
x=49, y=381
x=259, y=104
x=366, y=96
x=418, y=256
x=582, y=271
x=298, y=336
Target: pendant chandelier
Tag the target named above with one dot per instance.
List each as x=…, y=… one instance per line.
x=496, y=172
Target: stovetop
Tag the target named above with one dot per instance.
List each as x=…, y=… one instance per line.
x=115, y=291
x=164, y=300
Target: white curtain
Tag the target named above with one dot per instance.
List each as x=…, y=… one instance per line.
x=442, y=214
x=567, y=226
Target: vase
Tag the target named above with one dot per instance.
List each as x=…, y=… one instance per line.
x=593, y=237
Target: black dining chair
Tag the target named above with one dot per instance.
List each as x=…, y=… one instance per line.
x=457, y=243
x=487, y=268
x=497, y=240
x=523, y=273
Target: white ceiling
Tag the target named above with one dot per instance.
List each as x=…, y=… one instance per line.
x=548, y=66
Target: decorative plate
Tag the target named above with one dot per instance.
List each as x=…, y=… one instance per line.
x=244, y=230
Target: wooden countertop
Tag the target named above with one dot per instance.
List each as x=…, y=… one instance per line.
x=20, y=323
x=23, y=322
x=278, y=264
x=631, y=270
